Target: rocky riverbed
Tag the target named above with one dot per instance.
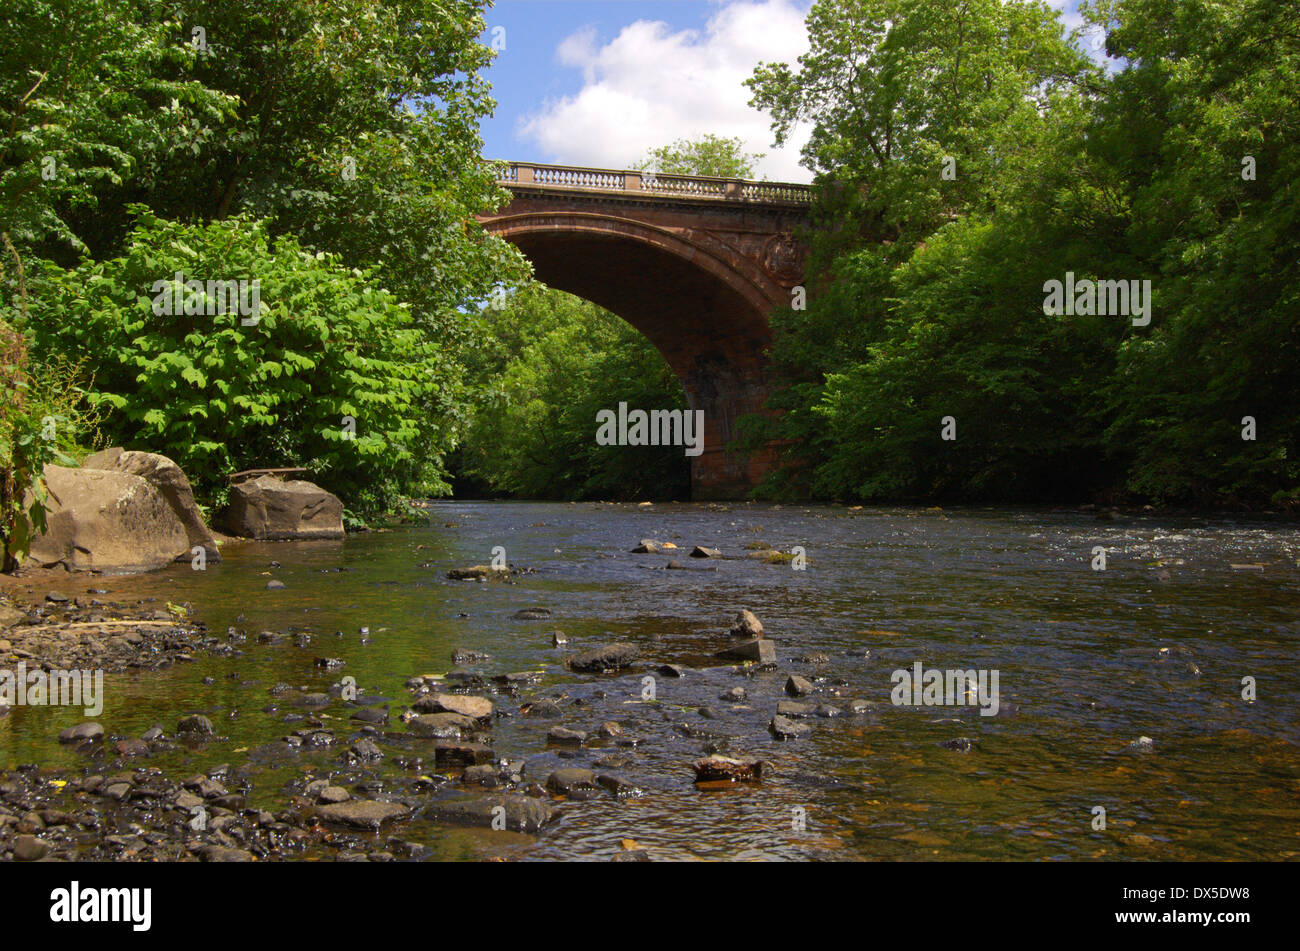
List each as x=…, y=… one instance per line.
x=441, y=745
x=397, y=697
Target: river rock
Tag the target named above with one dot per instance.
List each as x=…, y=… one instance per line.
x=520, y=813
x=531, y=614
x=617, y=786
x=453, y=753
x=794, y=709
x=570, y=780
x=699, y=551
x=759, y=650
x=82, y=731
x=647, y=547
x=610, y=657
x=783, y=728
x=269, y=509
x=545, y=707
x=170, y=482
x=28, y=848
x=479, y=572
x=476, y=708
x=104, y=520
x=797, y=686
x=747, y=624
x=363, y=813
x=442, y=726
x=715, y=768
x=333, y=794
x=11, y=617
x=566, y=736
x=195, y=725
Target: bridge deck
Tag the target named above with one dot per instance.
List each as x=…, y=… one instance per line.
x=632, y=183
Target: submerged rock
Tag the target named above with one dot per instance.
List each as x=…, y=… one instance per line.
x=610, y=657
x=565, y=735
x=442, y=726
x=479, y=572
x=569, y=780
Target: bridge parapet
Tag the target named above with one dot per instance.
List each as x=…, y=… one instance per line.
x=630, y=180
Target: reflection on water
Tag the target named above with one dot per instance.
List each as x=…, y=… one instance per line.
x=1156, y=645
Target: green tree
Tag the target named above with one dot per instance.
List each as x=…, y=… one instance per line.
x=553, y=362
x=713, y=155
x=920, y=113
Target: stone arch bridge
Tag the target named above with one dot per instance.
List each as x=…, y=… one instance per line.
x=695, y=264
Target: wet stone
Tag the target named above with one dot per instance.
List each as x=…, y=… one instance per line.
x=519, y=813
x=610, y=657
x=566, y=736
x=784, y=728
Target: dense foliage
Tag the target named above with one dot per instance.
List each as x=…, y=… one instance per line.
x=329, y=151
x=552, y=361
x=968, y=154
x=329, y=373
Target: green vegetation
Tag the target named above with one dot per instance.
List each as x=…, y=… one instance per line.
x=550, y=362
x=222, y=392
x=928, y=288
x=329, y=152
x=714, y=155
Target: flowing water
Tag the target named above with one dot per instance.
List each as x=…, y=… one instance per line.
x=1155, y=645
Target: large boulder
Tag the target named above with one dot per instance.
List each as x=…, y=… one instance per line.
x=106, y=520
x=271, y=509
x=171, y=483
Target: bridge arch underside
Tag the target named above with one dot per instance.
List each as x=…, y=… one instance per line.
x=707, y=318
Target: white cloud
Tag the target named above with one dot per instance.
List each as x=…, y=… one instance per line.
x=651, y=85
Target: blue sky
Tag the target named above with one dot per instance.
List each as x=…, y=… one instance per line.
x=599, y=82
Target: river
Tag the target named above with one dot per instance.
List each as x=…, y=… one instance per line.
x=1088, y=661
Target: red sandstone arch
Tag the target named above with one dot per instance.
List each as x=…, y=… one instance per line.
x=695, y=264
x=708, y=317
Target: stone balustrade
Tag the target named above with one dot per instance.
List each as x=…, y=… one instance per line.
x=683, y=186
